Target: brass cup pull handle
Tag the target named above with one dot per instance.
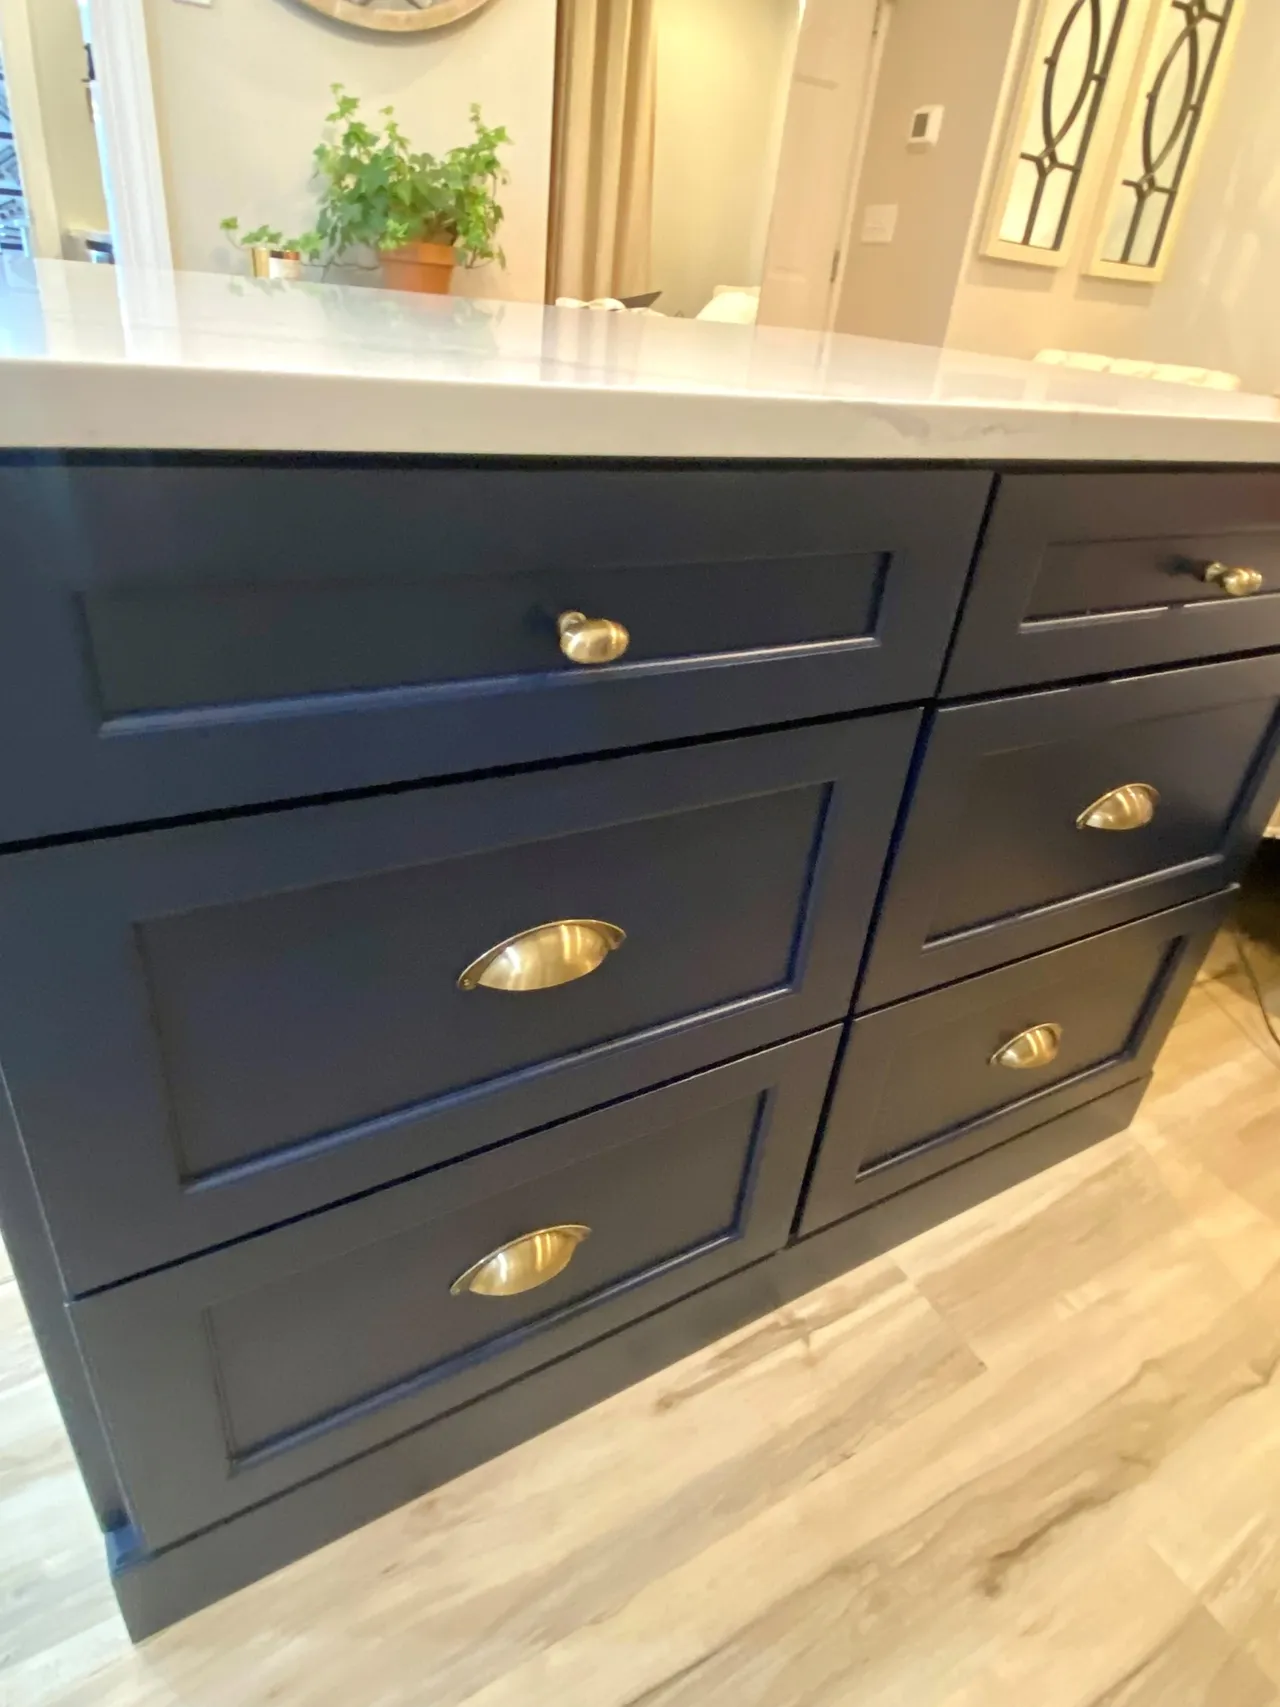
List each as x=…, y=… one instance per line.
x=545, y=956
x=1238, y=582
x=1035, y=1047
x=531, y=1260
x=591, y=639
x=1129, y=807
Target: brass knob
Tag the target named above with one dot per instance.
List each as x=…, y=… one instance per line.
x=591, y=639
x=1239, y=582
x=1033, y=1048
x=546, y=955
x=1128, y=807
x=531, y=1260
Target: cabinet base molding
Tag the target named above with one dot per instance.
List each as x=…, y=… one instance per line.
x=157, y=1589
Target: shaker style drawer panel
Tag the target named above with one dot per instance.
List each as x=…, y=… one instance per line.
x=1047, y=816
x=1084, y=574
x=931, y=1082
x=268, y=1014
x=188, y=634
x=250, y=1369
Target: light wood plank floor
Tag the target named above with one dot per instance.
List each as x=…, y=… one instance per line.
x=1033, y=1459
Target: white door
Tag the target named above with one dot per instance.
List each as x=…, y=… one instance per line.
x=822, y=139
x=124, y=120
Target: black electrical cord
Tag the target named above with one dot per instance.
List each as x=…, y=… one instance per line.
x=1255, y=984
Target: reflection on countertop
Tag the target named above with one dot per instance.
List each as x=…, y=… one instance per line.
x=100, y=356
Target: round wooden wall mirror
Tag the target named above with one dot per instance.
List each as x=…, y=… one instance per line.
x=396, y=14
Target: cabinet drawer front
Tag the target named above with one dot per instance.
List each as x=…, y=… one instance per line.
x=265, y=1014
x=250, y=1369
x=182, y=635
x=1085, y=574
x=929, y=1083
x=1003, y=788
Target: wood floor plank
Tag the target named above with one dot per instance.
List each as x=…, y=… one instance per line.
x=1005, y=1508
x=1007, y=1293
x=1196, y=1666
x=1214, y=1510
x=1033, y=1456
x=1235, y=995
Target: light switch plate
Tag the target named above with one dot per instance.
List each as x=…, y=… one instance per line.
x=879, y=222
x=925, y=127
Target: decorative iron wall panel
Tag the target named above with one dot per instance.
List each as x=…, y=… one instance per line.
x=14, y=230
x=1167, y=126
x=1067, y=81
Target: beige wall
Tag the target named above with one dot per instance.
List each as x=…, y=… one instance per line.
x=1219, y=302
x=68, y=125
x=242, y=87
x=723, y=70
x=952, y=53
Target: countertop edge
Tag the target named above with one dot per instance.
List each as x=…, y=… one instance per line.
x=52, y=406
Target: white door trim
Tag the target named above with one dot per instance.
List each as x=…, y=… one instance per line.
x=830, y=92
x=18, y=57
x=879, y=32
x=128, y=137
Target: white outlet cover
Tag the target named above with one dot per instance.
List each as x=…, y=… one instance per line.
x=879, y=222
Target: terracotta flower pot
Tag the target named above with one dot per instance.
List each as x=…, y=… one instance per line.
x=419, y=266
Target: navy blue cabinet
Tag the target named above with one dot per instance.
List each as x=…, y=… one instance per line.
x=1088, y=574
x=192, y=634
x=247, y=1370
x=930, y=1083
x=1045, y=816
x=433, y=896
x=265, y=1014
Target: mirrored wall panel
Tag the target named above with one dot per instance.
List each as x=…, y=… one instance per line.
x=1066, y=84
x=1170, y=105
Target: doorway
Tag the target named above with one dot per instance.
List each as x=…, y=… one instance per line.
x=827, y=109
x=705, y=152
x=50, y=179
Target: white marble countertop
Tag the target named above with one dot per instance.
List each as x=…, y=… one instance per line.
x=100, y=357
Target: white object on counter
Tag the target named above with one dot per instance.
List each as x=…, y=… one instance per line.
x=1129, y=367
x=103, y=357
x=732, y=305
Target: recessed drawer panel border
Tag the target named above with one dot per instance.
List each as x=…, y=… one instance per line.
x=755, y=596
x=1038, y=612
x=849, y=1175
x=78, y=1027
x=909, y=954
x=154, y=1367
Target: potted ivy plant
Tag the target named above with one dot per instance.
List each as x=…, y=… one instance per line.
x=422, y=213
x=271, y=254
